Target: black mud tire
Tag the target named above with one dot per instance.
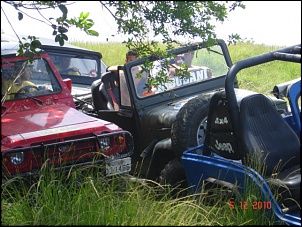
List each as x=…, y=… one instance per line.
x=173, y=180
x=188, y=129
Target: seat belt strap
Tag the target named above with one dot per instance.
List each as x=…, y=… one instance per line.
x=115, y=105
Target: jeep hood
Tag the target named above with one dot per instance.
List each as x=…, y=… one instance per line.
x=50, y=121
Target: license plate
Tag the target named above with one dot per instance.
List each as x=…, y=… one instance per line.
x=118, y=166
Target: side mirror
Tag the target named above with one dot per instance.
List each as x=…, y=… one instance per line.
x=68, y=83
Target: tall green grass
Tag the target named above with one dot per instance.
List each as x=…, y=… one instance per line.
x=112, y=53
x=95, y=200
x=84, y=197
x=98, y=201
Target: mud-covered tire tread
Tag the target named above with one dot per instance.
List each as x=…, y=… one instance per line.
x=173, y=175
x=184, y=128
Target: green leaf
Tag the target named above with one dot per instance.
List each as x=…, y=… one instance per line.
x=86, y=15
x=57, y=38
x=20, y=16
x=61, y=42
x=62, y=29
x=92, y=32
x=64, y=37
x=87, y=26
x=65, y=24
x=36, y=43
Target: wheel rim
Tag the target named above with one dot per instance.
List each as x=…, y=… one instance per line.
x=201, y=131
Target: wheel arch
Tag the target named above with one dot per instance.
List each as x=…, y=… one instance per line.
x=161, y=155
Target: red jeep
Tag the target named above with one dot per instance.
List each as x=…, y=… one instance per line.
x=39, y=123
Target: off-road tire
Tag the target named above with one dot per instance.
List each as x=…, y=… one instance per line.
x=173, y=180
x=188, y=129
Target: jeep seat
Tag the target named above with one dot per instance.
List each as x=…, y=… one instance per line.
x=267, y=135
x=97, y=99
x=263, y=129
x=263, y=138
x=105, y=92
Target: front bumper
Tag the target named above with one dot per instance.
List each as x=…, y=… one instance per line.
x=72, y=153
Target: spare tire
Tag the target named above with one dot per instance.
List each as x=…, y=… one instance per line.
x=188, y=129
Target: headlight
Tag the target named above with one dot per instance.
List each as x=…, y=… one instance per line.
x=104, y=142
x=17, y=158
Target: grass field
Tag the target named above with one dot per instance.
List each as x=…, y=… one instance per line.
x=92, y=200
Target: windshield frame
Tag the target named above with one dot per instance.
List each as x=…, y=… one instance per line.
x=40, y=76
x=182, y=91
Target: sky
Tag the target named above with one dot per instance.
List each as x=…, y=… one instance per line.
x=276, y=23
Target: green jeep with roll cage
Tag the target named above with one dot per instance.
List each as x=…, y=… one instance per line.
x=170, y=118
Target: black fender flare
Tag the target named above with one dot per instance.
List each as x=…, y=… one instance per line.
x=162, y=153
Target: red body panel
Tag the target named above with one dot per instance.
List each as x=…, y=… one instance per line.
x=44, y=124
x=49, y=123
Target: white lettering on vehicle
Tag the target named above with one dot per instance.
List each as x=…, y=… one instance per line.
x=57, y=130
x=178, y=82
x=221, y=121
x=224, y=146
x=199, y=75
x=195, y=76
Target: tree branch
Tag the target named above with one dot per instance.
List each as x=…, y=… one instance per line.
x=10, y=24
x=104, y=5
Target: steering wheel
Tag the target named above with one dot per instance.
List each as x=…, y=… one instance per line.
x=25, y=89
